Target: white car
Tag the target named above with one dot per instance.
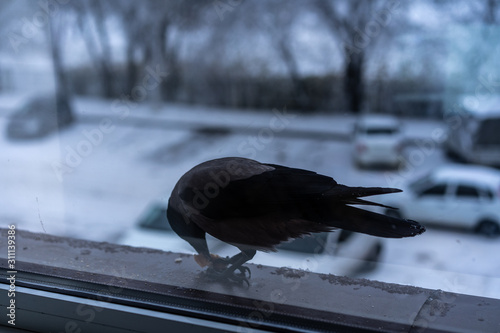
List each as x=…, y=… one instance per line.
x=461, y=196
x=475, y=137
x=340, y=252
x=377, y=141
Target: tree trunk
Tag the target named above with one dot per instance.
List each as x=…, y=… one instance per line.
x=100, y=60
x=61, y=81
x=167, y=59
x=132, y=72
x=353, y=81
x=300, y=96
x=105, y=57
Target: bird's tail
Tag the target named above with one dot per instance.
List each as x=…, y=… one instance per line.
x=342, y=191
x=341, y=215
x=367, y=222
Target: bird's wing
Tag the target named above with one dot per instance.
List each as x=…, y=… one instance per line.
x=360, y=220
x=367, y=203
x=257, y=194
x=343, y=192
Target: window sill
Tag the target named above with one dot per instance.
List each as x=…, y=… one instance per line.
x=99, y=286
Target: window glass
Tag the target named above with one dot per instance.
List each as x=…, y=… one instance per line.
x=104, y=105
x=488, y=194
x=439, y=190
x=466, y=191
x=487, y=134
x=380, y=131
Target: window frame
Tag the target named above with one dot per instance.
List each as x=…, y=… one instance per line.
x=421, y=193
x=74, y=289
x=480, y=196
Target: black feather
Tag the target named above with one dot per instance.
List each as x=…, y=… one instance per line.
x=360, y=220
x=266, y=204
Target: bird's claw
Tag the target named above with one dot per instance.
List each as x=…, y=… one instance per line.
x=240, y=277
x=220, y=264
x=225, y=260
x=243, y=273
x=230, y=274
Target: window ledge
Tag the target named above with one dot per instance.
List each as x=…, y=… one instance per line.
x=115, y=276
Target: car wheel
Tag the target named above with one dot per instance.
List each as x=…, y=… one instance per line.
x=393, y=213
x=371, y=261
x=488, y=228
x=454, y=156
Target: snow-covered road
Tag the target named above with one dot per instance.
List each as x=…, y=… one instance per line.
x=94, y=179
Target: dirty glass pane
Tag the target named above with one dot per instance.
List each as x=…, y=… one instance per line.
x=104, y=105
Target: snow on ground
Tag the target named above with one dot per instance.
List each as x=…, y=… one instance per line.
x=272, y=119
x=94, y=179
x=442, y=259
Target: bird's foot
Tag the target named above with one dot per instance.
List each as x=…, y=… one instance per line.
x=229, y=274
x=220, y=263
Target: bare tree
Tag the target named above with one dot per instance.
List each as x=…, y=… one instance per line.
x=132, y=19
x=56, y=34
x=281, y=33
x=470, y=11
x=91, y=18
x=98, y=11
x=477, y=22
x=357, y=25
x=491, y=12
x=149, y=29
x=273, y=25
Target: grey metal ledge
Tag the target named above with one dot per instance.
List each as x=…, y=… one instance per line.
x=278, y=299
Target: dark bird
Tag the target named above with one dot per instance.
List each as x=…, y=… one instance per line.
x=256, y=206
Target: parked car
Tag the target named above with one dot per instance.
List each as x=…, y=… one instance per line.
x=473, y=135
x=40, y=116
x=340, y=252
x=461, y=196
x=152, y=230
x=377, y=141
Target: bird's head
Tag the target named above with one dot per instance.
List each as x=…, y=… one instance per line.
x=188, y=231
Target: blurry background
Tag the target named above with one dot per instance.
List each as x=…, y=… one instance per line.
x=105, y=104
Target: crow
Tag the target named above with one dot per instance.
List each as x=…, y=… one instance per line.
x=256, y=206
